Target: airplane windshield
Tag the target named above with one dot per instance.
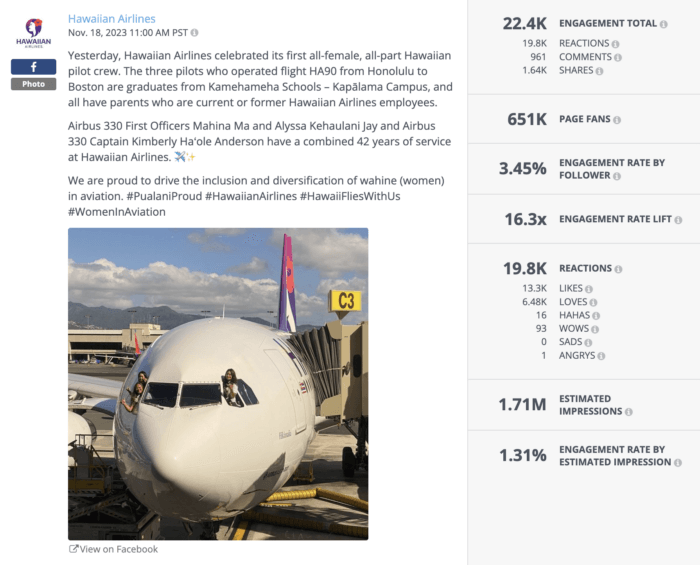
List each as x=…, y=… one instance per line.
x=200, y=395
x=161, y=394
x=246, y=393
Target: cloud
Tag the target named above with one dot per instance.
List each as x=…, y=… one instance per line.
x=211, y=232
x=197, y=237
x=210, y=239
x=90, y=266
x=256, y=265
x=329, y=251
x=354, y=283
x=103, y=283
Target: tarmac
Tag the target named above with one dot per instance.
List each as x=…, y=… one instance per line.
x=325, y=454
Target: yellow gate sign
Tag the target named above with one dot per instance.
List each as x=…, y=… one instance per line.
x=344, y=300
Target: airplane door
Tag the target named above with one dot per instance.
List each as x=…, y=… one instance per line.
x=285, y=371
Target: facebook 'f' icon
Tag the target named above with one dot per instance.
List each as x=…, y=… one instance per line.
x=34, y=66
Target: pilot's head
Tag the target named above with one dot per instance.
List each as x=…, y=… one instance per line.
x=231, y=375
x=139, y=388
x=143, y=377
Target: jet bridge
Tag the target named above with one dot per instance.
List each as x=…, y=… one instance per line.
x=337, y=357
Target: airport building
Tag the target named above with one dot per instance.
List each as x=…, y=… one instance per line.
x=85, y=344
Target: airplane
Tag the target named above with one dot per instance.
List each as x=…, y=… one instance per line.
x=127, y=356
x=185, y=452
x=180, y=156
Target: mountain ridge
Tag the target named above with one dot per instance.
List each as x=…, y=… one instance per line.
x=101, y=317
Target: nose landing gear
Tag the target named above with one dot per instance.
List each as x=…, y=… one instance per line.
x=210, y=530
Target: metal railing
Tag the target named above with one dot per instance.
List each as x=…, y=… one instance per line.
x=95, y=475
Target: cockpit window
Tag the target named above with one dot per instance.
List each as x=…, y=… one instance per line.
x=161, y=394
x=200, y=395
x=246, y=393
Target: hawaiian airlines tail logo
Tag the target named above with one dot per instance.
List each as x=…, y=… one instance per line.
x=287, y=310
x=33, y=27
x=290, y=275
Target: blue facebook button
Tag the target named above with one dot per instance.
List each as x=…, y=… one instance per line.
x=33, y=66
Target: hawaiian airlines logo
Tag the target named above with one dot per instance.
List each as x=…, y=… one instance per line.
x=290, y=276
x=34, y=27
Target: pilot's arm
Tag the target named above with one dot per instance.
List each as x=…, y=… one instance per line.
x=129, y=407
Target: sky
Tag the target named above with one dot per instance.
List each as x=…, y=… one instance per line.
x=191, y=270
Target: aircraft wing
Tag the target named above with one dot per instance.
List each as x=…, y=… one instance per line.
x=94, y=386
x=104, y=405
x=105, y=355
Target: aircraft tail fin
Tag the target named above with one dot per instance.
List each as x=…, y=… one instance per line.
x=287, y=321
x=138, y=351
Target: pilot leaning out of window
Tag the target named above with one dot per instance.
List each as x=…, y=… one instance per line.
x=143, y=379
x=135, y=397
x=230, y=387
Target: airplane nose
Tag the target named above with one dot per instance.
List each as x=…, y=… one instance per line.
x=184, y=456
x=189, y=458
